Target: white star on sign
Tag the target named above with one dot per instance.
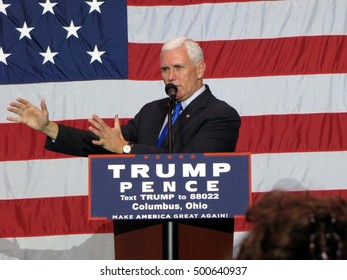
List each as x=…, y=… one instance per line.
x=71, y=30
x=48, y=7
x=95, y=6
x=96, y=54
x=3, y=56
x=3, y=7
x=48, y=55
x=25, y=31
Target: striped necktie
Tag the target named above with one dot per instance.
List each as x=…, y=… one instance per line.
x=175, y=114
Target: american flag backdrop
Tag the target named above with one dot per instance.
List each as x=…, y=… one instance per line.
x=281, y=64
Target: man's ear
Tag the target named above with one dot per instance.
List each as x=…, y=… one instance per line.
x=200, y=70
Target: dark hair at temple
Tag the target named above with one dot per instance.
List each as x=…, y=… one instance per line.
x=292, y=226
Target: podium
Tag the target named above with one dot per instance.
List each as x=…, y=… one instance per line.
x=199, y=193
x=143, y=240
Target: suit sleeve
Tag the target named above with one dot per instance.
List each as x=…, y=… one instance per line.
x=73, y=141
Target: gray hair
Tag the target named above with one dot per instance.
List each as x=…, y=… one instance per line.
x=194, y=51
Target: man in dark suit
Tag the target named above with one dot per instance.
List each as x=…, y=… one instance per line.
x=206, y=124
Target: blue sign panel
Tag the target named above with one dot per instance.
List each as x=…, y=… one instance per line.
x=169, y=186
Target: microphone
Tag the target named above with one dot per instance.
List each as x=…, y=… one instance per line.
x=171, y=90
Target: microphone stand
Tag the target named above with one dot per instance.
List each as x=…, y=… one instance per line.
x=170, y=228
x=171, y=109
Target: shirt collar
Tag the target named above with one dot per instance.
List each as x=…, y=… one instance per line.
x=185, y=103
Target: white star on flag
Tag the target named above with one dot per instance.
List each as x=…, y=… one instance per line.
x=48, y=7
x=25, y=31
x=96, y=54
x=72, y=30
x=95, y=6
x=3, y=7
x=48, y=55
x=3, y=56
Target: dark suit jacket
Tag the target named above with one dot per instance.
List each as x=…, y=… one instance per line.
x=206, y=125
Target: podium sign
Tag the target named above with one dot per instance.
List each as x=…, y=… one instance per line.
x=169, y=186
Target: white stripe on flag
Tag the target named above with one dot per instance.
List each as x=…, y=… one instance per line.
x=250, y=96
x=234, y=21
x=298, y=171
x=68, y=247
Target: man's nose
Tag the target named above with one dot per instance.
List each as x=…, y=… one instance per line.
x=172, y=75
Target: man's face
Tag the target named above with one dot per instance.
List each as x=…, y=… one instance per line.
x=177, y=68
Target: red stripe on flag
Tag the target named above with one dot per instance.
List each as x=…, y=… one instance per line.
x=253, y=57
x=28, y=144
x=258, y=134
x=69, y=215
x=293, y=133
x=48, y=216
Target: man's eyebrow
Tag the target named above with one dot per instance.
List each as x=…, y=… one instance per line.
x=175, y=65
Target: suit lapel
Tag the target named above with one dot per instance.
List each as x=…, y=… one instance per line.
x=196, y=106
